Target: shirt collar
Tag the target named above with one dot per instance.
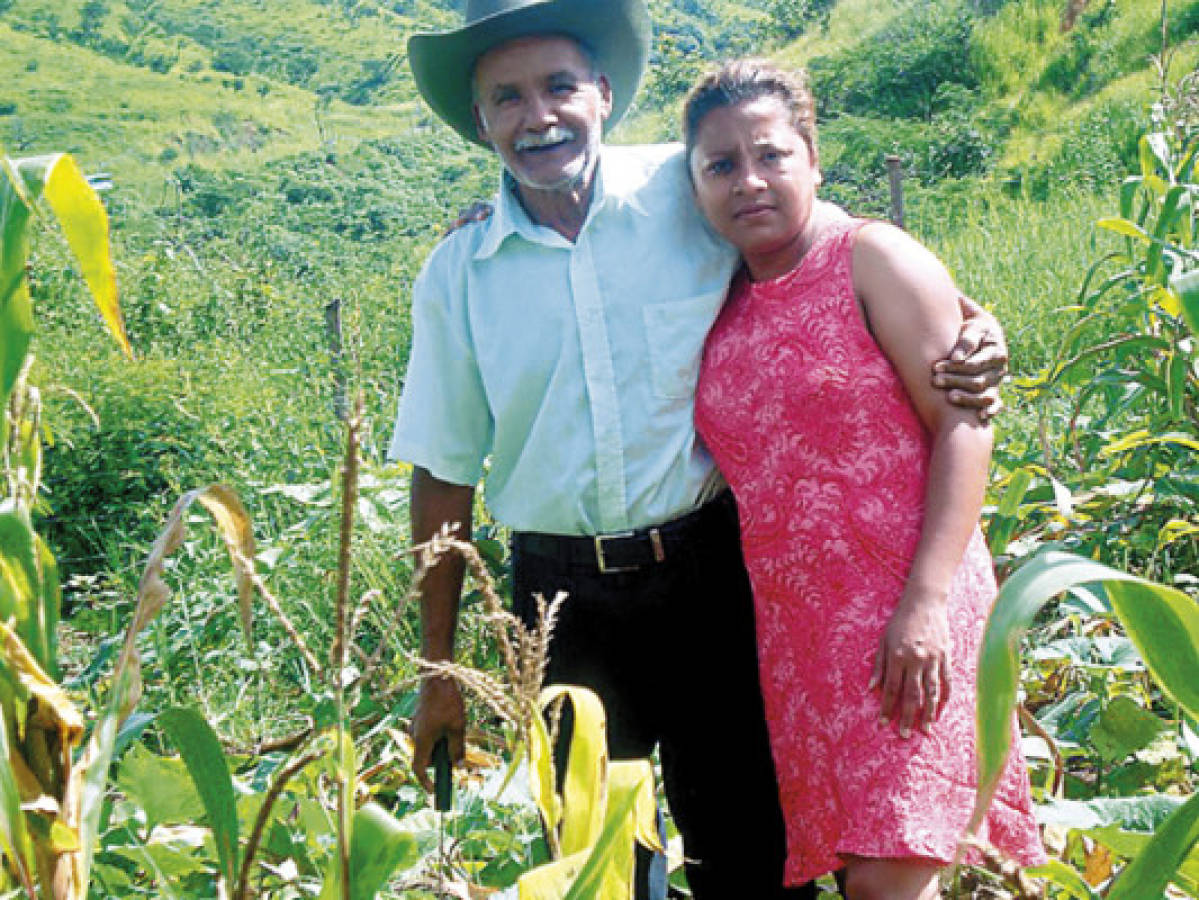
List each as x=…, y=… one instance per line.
x=510, y=218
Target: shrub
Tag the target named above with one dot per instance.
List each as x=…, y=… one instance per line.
x=911, y=58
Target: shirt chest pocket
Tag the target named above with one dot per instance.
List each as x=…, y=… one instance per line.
x=675, y=332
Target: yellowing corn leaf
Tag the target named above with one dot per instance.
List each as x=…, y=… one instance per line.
x=541, y=775
x=234, y=522
x=607, y=807
x=85, y=793
x=234, y=525
x=608, y=872
x=552, y=880
x=585, y=791
x=85, y=226
x=39, y=759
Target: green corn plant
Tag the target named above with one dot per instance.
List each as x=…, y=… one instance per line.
x=1163, y=624
x=1124, y=471
x=40, y=784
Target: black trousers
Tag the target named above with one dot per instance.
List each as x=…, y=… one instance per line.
x=670, y=649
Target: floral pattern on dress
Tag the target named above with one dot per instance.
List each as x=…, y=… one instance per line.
x=828, y=460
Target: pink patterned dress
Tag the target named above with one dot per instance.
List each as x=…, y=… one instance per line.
x=828, y=460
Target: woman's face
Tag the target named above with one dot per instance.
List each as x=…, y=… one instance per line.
x=755, y=179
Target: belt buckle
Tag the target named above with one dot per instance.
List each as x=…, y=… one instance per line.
x=604, y=568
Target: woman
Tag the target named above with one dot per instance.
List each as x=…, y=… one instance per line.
x=859, y=489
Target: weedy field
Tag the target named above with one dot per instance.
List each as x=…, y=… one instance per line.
x=197, y=513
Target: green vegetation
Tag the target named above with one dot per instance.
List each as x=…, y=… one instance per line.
x=270, y=159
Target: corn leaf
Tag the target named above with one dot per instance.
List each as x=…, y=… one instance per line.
x=1148, y=874
x=89, y=779
x=541, y=774
x=20, y=583
x=1124, y=227
x=234, y=524
x=85, y=225
x=608, y=872
x=1186, y=286
x=85, y=794
x=1003, y=523
x=16, y=306
x=379, y=846
x=585, y=791
x=552, y=880
x=58, y=180
x=1143, y=438
x=205, y=760
x=14, y=836
x=1162, y=622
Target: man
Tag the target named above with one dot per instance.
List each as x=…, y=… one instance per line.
x=561, y=339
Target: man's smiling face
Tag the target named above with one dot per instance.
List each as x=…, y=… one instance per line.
x=541, y=105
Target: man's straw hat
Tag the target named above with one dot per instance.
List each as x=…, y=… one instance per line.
x=617, y=32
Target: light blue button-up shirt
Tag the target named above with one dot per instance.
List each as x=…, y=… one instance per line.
x=572, y=366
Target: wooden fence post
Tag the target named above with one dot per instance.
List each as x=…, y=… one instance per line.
x=333, y=336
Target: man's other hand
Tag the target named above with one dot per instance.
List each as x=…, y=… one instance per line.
x=977, y=364
x=440, y=713
x=478, y=211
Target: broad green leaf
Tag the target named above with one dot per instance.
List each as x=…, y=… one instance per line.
x=1057, y=872
x=1131, y=844
x=1186, y=286
x=1143, y=814
x=201, y=751
x=1149, y=873
x=1124, y=727
x=1161, y=621
x=379, y=846
x=161, y=786
x=1164, y=624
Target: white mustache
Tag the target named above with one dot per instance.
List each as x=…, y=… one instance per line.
x=555, y=134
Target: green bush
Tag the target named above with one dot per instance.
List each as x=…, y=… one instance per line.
x=911, y=58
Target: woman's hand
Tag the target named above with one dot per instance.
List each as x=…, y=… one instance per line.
x=912, y=663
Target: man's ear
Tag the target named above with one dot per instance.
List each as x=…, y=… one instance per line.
x=480, y=124
x=605, y=89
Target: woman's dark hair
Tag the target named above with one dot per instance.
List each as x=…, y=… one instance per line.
x=743, y=80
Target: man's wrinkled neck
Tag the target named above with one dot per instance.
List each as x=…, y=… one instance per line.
x=562, y=209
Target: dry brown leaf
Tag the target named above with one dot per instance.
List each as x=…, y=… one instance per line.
x=1098, y=867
